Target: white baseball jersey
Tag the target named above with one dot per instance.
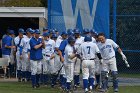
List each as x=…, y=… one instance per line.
x=93, y=40
x=78, y=42
x=68, y=51
x=58, y=42
x=88, y=50
x=25, y=44
x=49, y=48
x=16, y=40
x=107, y=49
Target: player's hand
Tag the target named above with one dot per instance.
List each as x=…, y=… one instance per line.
x=124, y=57
x=13, y=47
x=62, y=59
x=52, y=56
x=21, y=57
x=101, y=61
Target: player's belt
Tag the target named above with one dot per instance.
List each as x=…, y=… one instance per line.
x=46, y=55
x=89, y=59
x=109, y=58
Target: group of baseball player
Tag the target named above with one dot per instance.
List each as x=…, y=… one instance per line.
x=52, y=56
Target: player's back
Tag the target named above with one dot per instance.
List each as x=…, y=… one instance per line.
x=88, y=50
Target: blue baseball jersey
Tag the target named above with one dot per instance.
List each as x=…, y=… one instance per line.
x=62, y=46
x=35, y=54
x=6, y=41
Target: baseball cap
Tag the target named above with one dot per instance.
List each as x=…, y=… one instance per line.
x=46, y=34
x=45, y=28
x=37, y=31
x=21, y=30
x=11, y=32
x=64, y=33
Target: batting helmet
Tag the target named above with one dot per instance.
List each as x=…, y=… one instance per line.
x=88, y=38
x=71, y=39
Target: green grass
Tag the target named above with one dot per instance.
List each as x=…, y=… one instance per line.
x=15, y=87
x=129, y=75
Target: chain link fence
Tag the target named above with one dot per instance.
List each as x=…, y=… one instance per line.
x=126, y=33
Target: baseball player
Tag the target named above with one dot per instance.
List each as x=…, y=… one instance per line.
x=6, y=47
x=69, y=62
x=88, y=50
x=61, y=54
x=48, y=57
x=97, y=64
x=78, y=42
x=36, y=57
x=17, y=41
x=24, y=46
x=87, y=32
x=107, y=47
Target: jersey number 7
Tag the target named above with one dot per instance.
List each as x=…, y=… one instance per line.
x=88, y=47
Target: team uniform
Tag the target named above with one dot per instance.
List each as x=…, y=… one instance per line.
x=77, y=63
x=35, y=60
x=109, y=62
x=48, y=62
x=58, y=64
x=6, y=52
x=17, y=42
x=69, y=64
x=88, y=50
x=25, y=59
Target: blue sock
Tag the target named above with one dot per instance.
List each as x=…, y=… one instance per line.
x=45, y=78
x=64, y=82
x=37, y=78
x=68, y=85
x=85, y=83
x=41, y=78
x=76, y=80
x=19, y=73
x=115, y=84
x=61, y=79
x=33, y=78
x=98, y=79
x=91, y=82
x=23, y=74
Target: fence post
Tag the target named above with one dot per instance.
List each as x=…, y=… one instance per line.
x=49, y=14
x=114, y=19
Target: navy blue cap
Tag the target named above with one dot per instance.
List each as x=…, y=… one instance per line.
x=28, y=29
x=32, y=31
x=45, y=28
x=21, y=30
x=52, y=31
x=46, y=34
x=76, y=31
x=11, y=32
x=54, y=36
x=86, y=30
x=70, y=32
x=64, y=33
x=37, y=31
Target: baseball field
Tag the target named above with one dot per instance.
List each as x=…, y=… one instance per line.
x=18, y=87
